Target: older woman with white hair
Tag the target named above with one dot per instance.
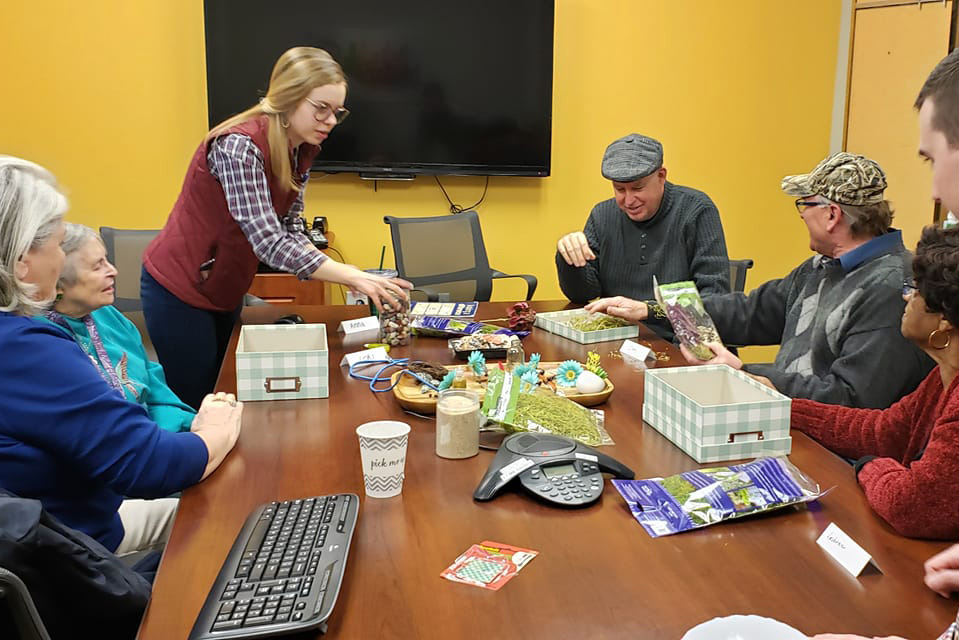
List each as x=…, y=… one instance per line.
x=84, y=309
x=67, y=438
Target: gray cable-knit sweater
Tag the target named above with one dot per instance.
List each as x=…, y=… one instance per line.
x=683, y=241
x=837, y=324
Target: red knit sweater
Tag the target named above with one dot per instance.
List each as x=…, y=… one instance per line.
x=913, y=484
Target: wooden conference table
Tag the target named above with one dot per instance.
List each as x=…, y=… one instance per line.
x=598, y=574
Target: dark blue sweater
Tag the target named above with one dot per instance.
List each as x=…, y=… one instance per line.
x=683, y=241
x=72, y=442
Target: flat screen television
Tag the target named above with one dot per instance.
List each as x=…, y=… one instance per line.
x=439, y=87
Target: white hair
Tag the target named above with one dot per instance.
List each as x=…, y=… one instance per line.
x=31, y=207
x=75, y=237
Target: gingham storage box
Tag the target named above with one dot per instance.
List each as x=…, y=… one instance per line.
x=714, y=412
x=282, y=362
x=555, y=322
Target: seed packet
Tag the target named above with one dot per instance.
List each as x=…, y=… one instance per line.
x=695, y=499
x=540, y=411
x=442, y=327
x=684, y=309
x=488, y=564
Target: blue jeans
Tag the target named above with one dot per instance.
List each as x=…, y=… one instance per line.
x=190, y=342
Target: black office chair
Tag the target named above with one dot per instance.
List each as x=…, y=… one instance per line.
x=447, y=255
x=737, y=274
x=56, y=582
x=19, y=618
x=125, y=249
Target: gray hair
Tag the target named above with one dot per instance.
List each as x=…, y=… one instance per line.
x=869, y=220
x=76, y=237
x=31, y=208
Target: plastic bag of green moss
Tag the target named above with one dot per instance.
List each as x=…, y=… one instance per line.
x=684, y=309
x=702, y=497
x=509, y=405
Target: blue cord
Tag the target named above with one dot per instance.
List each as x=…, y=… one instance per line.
x=379, y=377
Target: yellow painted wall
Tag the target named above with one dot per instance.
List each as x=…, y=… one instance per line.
x=110, y=94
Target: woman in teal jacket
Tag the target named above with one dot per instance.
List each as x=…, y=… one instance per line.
x=85, y=294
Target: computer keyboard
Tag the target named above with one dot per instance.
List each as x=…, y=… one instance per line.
x=284, y=571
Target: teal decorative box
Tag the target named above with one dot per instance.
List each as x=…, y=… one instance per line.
x=716, y=413
x=282, y=362
x=555, y=322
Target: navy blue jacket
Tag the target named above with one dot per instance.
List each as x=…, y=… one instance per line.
x=70, y=441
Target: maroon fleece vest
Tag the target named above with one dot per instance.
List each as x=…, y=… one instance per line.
x=200, y=228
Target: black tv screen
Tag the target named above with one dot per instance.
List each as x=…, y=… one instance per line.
x=435, y=86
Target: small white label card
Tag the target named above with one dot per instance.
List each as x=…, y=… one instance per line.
x=515, y=468
x=378, y=353
x=844, y=550
x=358, y=325
x=634, y=350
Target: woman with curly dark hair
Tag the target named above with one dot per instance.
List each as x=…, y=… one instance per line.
x=908, y=455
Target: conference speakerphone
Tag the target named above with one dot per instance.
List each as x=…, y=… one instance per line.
x=552, y=468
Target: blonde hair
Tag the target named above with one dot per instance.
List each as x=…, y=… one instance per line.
x=298, y=71
x=31, y=208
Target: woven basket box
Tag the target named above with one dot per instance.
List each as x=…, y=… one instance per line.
x=282, y=362
x=715, y=413
x=555, y=322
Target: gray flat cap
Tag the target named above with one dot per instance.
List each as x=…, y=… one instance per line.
x=632, y=157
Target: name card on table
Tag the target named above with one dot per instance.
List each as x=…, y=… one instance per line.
x=366, y=355
x=634, y=350
x=844, y=550
x=359, y=325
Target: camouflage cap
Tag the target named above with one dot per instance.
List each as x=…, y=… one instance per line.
x=846, y=178
x=632, y=157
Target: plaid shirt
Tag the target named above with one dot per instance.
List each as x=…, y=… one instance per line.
x=280, y=242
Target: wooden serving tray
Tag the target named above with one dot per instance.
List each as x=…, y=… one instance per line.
x=408, y=394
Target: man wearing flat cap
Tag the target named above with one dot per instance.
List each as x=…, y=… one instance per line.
x=837, y=315
x=650, y=227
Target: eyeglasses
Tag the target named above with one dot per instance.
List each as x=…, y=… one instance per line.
x=323, y=111
x=909, y=287
x=802, y=205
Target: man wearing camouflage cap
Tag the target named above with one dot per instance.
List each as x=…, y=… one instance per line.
x=837, y=315
x=650, y=227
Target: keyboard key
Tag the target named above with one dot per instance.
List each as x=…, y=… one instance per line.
x=227, y=625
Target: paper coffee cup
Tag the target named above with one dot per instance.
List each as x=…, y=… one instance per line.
x=383, y=455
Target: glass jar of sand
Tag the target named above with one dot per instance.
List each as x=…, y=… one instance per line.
x=457, y=424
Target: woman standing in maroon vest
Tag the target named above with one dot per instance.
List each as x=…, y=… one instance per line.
x=240, y=204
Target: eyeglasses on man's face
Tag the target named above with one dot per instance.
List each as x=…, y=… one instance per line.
x=802, y=205
x=322, y=111
x=909, y=287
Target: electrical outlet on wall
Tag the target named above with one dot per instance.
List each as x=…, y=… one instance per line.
x=357, y=298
